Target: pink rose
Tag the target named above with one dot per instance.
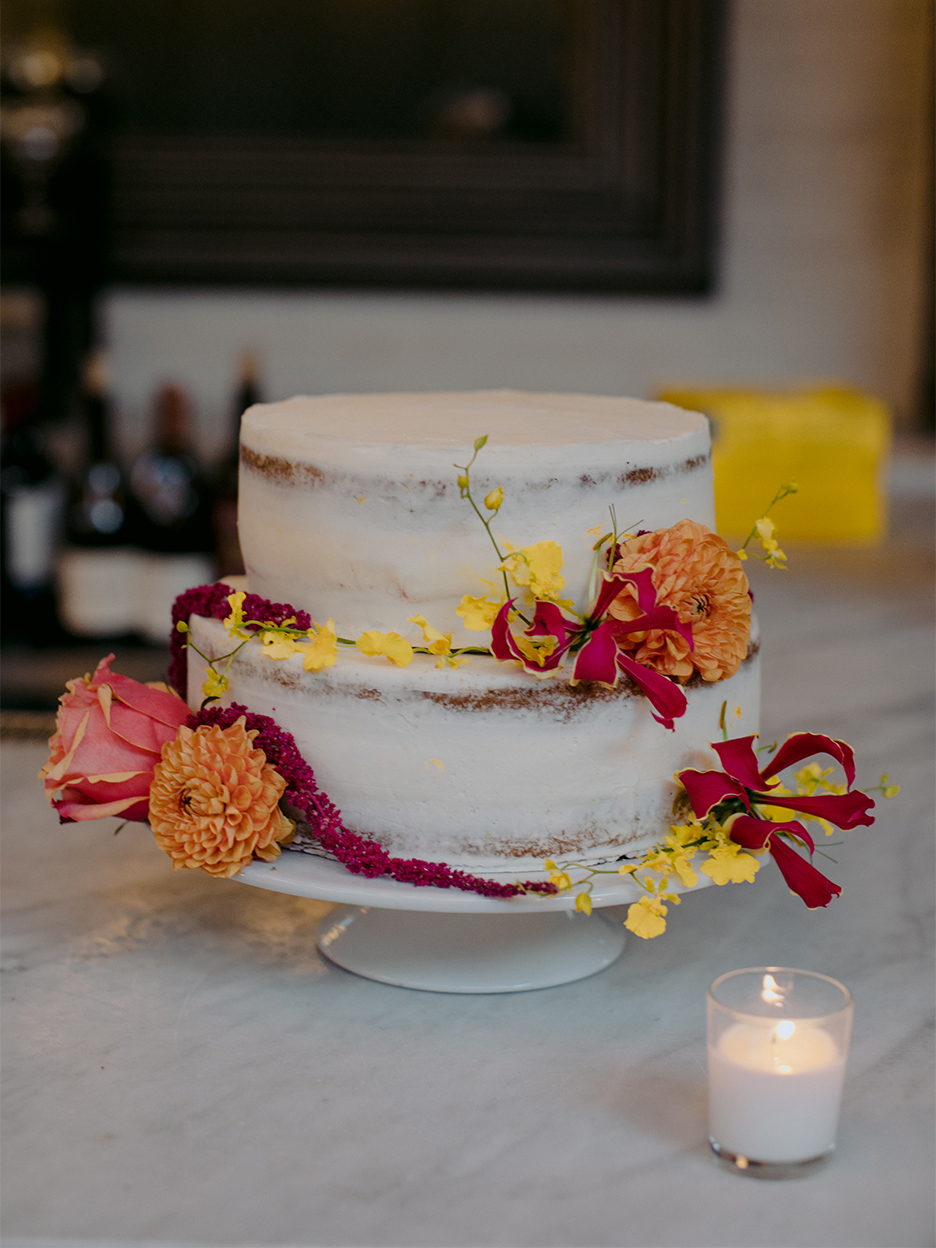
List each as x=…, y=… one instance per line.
x=110, y=731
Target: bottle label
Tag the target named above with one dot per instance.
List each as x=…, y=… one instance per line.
x=100, y=590
x=33, y=515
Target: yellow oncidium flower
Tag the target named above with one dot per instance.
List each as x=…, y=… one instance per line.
x=684, y=834
x=215, y=684
x=493, y=500
x=811, y=777
x=559, y=879
x=728, y=863
x=583, y=903
x=479, y=614
x=391, y=645
x=323, y=649
x=234, y=623
x=645, y=918
x=436, y=642
x=766, y=528
x=536, y=649
x=278, y=646
x=536, y=568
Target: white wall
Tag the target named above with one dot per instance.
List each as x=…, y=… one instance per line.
x=822, y=259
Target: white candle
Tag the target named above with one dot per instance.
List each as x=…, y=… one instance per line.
x=774, y=1090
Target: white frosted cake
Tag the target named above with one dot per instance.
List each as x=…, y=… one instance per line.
x=350, y=509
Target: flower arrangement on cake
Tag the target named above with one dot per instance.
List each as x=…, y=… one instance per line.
x=222, y=786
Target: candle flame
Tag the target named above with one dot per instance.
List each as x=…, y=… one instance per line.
x=769, y=991
x=785, y=1029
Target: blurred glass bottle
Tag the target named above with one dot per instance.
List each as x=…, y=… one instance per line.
x=32, y=497
x=227, y=544
x=170, y=515
x=99, y=572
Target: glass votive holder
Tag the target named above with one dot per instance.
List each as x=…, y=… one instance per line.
x=777, y=1048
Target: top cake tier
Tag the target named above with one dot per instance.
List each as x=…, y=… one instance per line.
x=350, y=505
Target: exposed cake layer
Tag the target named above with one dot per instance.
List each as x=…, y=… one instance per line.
x=350, y=508
x=484, y=767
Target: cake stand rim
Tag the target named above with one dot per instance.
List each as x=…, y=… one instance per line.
x=322, y=879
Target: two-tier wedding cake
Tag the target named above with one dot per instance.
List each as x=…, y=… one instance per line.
x=472, y=691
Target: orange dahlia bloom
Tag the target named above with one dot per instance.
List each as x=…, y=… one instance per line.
x=697, y=574
x=214, y=800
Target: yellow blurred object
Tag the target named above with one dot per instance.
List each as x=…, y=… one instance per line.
x=832, y=441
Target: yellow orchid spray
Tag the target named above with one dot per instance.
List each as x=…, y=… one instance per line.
x=764, y=528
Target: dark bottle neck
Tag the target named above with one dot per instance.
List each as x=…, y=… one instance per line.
x=172, y=422
x=97, y=415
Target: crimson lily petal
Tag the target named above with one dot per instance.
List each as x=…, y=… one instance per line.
x=659, y=617
x=611, y=586
x=800, y=745
x=845, y=810
x=549, y=621
x=802, y=877
x=663, y=695
x=503, y=645
x=643, y=583
x=598, y=658
x=739, y=760
x=755, y=833
x=707, y=788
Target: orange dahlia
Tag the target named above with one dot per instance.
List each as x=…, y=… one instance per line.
x=697, y=574
x=214, y=800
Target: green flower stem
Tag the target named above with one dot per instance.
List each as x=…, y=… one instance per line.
x=782, y=493
x=464, y=485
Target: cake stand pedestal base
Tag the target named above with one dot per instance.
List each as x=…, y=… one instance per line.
x=469, y=952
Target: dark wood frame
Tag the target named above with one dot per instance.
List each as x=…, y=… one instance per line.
x=629, y=204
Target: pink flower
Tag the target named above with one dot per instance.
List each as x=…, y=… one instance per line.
x=110, y=731
x=736, y=792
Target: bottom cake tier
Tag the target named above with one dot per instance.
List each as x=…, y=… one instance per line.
x=484, y=767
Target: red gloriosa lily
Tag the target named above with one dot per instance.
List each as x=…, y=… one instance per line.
x=743, y=781
x=599, y=659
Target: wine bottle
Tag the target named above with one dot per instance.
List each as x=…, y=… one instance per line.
x=99, y=571
x=171, y=515
x=32, y=495
x=227, y=545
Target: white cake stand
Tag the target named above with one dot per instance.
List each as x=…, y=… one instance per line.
x=445, y=940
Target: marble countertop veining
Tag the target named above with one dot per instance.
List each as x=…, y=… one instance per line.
x=182, y=1068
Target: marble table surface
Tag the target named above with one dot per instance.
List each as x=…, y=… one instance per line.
x=182, y=1068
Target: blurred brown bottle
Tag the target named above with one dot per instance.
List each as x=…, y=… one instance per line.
x=169, y=514
x=98, y=568
x=227, y=544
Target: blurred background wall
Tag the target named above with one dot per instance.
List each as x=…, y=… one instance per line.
x=824, y=269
